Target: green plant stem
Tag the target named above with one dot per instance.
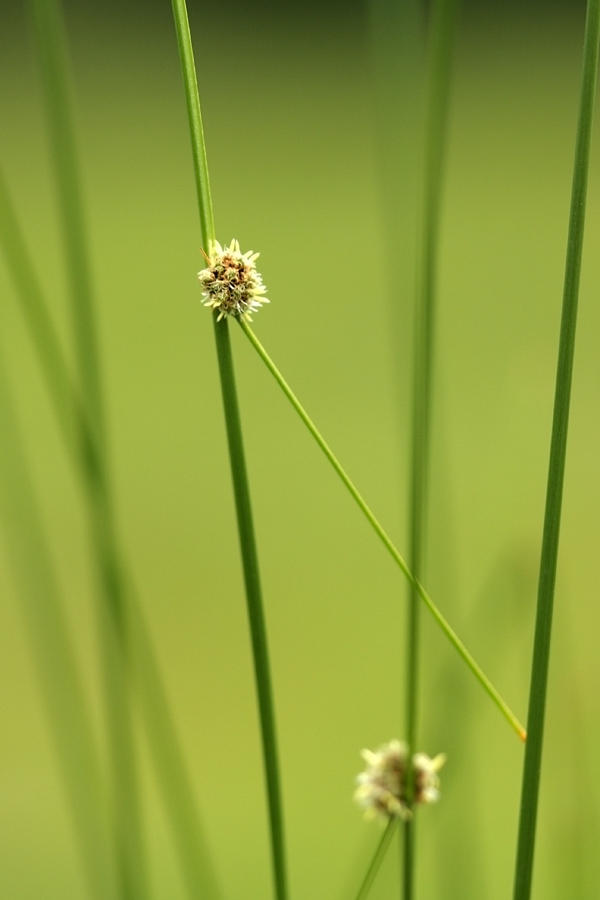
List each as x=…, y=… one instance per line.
x=558, y=447
x=409, y=855
x=254, y=600
x=441, y=29
x=51, y=43
x=377, y=860
x=386, y=541
x=163, y=742
x=53, y=655
x=192, y=99
x=238, y=471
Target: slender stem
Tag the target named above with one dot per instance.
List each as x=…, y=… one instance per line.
x=558, y=447
x=408, y=859
x=377, y=860
x=192, y=99
x=441, y=29
x=386, y=541
x=54, y=655
x=112, y=614
x=238, y=472
x=254, y=600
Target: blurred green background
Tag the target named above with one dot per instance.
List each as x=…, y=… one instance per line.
x=302, y=139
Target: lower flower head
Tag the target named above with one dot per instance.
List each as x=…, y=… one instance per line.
x=231, y=284
x=382, y=787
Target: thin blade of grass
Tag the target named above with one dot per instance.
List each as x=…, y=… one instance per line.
x=383, y=536
x=397, y=43
x=192, y=99
x=556, y=469
x=51, y=46
x=255, y=606
x=441, y=29
x=239, y=475
x=54, y=656
x=173, y=779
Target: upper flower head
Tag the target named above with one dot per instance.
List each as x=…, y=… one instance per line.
x=231, y=283
x=382, y=787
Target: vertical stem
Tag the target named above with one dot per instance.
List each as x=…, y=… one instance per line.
x=192, y=99
x=558, y=447
x=238, y=470
x=441, y=36
x=254, y=601
x=112, y=614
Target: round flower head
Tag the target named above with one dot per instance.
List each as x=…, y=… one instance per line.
x=231, y=283
x=382, y=789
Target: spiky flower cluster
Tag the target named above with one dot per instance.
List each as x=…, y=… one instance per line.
x=382, y=787
x=231, y=283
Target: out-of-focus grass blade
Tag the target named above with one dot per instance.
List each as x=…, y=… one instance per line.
x=52, y=54
x=172, y=777
x=53, y=654
x=439, y=55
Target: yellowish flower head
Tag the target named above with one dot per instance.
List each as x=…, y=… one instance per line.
x=231, y=283
x=382, y=787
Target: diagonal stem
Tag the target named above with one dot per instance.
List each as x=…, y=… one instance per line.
x=383, y=536
x=378, y=857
